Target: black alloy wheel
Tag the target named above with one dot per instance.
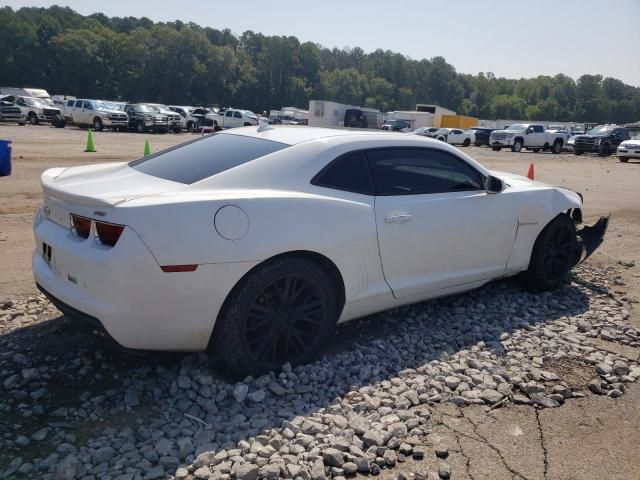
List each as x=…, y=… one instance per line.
x=284, y=319
x=554, y=254
x=283, y=311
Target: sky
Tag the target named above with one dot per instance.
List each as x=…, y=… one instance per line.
x=512, y=39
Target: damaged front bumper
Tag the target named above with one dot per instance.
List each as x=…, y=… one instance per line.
x=589, y=239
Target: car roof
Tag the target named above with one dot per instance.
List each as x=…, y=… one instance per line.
x=292, y=135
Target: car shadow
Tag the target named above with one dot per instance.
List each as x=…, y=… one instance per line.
x=361, y=353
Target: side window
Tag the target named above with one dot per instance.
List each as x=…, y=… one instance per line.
x=78, y=103
x=237, y=115
x=538, y=129
x=128, y=108
x=413, y=171
x=228, y=113
x=88, y=105
x=348, y=172
x=70, y=103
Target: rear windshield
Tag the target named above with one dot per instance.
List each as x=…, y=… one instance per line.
x=205, y=157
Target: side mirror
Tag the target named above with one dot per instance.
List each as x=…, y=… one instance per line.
x=493, y=184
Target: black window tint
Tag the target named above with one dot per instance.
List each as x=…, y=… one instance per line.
x=205, y=157
x=237, y=115
x=412, y=171
x=538, y=129
x=348, y=172
x=78, y=103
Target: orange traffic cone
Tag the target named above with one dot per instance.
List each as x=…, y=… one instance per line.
x=530, y=172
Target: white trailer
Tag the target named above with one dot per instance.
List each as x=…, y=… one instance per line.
x=415, y=119
x=436, y=110
x=27, y=92
x=323, y=113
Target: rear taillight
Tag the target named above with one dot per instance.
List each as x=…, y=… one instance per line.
x=109, y=233
x=82, y=225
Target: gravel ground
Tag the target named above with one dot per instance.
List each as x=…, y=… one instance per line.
x=88, y=411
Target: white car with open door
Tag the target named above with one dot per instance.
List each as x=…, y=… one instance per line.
x=455, y=136
x=254, y=242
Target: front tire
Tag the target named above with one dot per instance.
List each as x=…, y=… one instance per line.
x=32, y=118
x=577, y=153
x=140, y=127
x=97, y=124
x=496, y=149
x=553, y=254
x=603, y=150
x=517, y=146
x=282, y=312
x=623, y=159
x=466, y=142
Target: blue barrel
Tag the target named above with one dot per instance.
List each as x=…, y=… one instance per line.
x=5, y=158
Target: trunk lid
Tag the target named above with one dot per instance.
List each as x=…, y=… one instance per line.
x=106, y=185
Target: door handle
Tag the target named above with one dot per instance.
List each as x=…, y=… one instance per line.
x=398, y=218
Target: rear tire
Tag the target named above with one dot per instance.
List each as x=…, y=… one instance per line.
x=553, y=254
x=140, y=127
x=536, y=150
x=557, y=147
x=496, y=149
x=623, y=159
x=284, y=311
x=466, y=142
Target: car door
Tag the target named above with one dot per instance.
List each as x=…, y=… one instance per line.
x=537, y=136
x=455, y=137
x=77, y=113
x=437, y=225
x=88, y=112
x=228, y=119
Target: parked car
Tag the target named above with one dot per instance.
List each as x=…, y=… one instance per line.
x=144, y=118
x=455, y=136
x=603, y=140
x=36, y=110
x=426, y=131
x=629, y=149
x=529, y=136
x=190, y=249
x=397, y=126
x=175, y=120
x=482, y=135
x=195, y=118
x=238, y=118
x=95, y=113
x=11, y=113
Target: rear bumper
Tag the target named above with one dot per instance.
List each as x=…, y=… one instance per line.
x=123, y=290
x=590, y=237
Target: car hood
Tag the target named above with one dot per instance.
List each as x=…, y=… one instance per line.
x=630, y=144
x=515, y=180
x=106, y=184
x=592, y=136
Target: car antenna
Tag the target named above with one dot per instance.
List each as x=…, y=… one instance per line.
x=264, y=126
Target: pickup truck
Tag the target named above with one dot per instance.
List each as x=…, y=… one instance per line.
x=238, y=118
x=175, y=121
x=95, y=113
x=603, y=140
x=143, y=118
x=11, y=113
x=529, y=136
x=37, y=110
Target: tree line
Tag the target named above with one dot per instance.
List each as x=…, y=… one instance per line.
x=135, y=59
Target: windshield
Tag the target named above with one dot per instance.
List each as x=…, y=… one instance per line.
x=249, y=113
x=518, y=127
x=106, y=105
x=34, y=102
x=442, y=130
x=205, y=157
x=600, y=130
x=144, y=108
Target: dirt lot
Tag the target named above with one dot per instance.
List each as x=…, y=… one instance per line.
x=589, y=438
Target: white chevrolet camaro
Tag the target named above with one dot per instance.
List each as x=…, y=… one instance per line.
x=255, y=241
